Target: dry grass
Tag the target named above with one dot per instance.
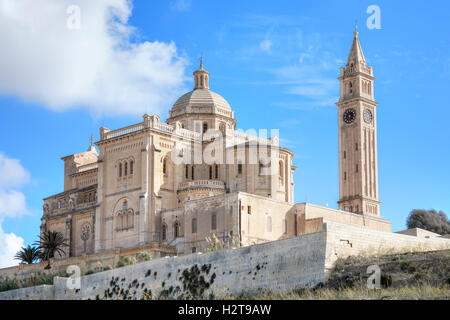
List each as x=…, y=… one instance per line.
x=423, y=292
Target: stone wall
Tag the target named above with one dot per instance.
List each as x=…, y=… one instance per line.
x=280, y=266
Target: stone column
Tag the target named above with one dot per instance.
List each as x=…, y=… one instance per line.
x=143, y=196
x=99, y=232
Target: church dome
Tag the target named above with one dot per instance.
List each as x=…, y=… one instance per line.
x=201, y=100
x=201, y=97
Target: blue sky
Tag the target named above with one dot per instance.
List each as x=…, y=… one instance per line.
x=276, y=63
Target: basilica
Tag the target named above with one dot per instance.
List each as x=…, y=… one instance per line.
x=178, y=183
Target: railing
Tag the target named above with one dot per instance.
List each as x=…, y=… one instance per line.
x=163, y=127
x=215, y=184
x=123, y=131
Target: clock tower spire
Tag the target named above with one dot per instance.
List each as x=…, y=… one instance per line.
x=358, y=166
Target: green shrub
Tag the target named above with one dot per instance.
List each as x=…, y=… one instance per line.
x=106, y=268
x=144, y=256
x=126, y=261
x=89, y=272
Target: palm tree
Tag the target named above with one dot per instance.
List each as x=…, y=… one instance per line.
x=51, y=243
x=28, y=255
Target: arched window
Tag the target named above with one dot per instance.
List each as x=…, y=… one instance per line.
x=125, y=170
x=120, y=221
x=281, y=169
x=130, y=219
x=194, y=225
x=164, y=232
x=205, y=127
x=269, y=224
x=131, y=166
x=125, y=217
x=176, y=229
x=120, y=170
x=213, y=222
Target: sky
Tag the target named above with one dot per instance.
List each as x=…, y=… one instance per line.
x=69, y=67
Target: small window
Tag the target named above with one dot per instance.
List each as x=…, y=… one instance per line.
x=194, y=249
x=205, y=127
x=120, y=170
x=216, y=169
x=187, y=171
x=210, y=172
x=194, y=225
x=261, y=166
x=239, y=168
x=192, y=173
x=213, y=222
x=357, y=168
x=345, y=155
x=131, y=166
x=345, y=175
x=165, y=165
x=249, y=209
x=125, y=169
x=356, y=147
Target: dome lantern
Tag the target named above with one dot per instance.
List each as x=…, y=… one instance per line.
x=201, y=77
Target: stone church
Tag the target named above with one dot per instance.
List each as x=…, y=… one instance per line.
x=177, y=183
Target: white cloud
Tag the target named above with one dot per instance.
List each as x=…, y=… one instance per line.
x=9, y=245
x=12, y=204
x=266, y=45
x=99, y=66
x=180, y=5
x=12, y=174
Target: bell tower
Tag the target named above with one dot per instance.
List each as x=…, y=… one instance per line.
x=358, y=166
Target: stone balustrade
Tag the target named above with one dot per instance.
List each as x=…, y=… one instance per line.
x=213, y=184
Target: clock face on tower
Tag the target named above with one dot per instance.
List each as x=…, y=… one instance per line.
x=368, y=116
x=349, y=115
